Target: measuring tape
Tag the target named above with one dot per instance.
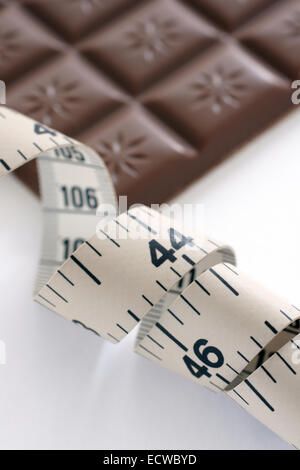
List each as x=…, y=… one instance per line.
x=198, y=315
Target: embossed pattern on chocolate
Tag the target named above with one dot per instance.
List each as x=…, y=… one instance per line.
x=139, y=150
x=66, y=94
x=232, y=13
x=150, y=42
x=163, y=89
x=219, y=92
x=23, y=43
x=276, y=36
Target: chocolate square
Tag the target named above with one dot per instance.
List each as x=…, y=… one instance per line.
x=23, y=43
x=220, y=99
x=73, y=19
x=276, y=36
x=232, y=13
x=67, y=94
x=203, y=69
x=144, y=157
x=149, y=43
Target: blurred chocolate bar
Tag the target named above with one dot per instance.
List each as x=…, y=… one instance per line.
x=162, y=89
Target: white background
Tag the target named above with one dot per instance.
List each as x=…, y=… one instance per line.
x=63, y=387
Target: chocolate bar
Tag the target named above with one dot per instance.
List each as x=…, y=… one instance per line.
x=162, y=89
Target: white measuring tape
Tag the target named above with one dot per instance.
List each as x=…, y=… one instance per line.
x=198, y=314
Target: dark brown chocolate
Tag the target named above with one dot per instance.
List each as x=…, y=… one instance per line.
x=162, y=89
x=232, y=13
x=219, y=98
x=275, y=36
x=145, y=157
x=151, y=42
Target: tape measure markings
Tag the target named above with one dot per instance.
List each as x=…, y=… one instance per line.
x=44, y=158
x=147, y=300
x=171, y=337
x=267, y=372
x=226, y=284
x=93, y=248
x=223, y=379
x=38, y=147
x=285, y=314
x=133, y=315
x=259, y=395
x=85, y=269
x=271, y=327
x=113, y=338
x=122, y=328
x=198, y=324
x=256, y=342
x=66, y=278
x=6, y=166
x=22, y=154
x=295, y=344
x=230, y=367
x=230, y=269
x=274, y=331
x=176, y=318
x=122, y=226
x=46, y=300
x=150, y=352
x=286, y=363
x=56, y=293
x=188, y=260
x=160, y=285
x=175, y=272
x=155, y=342
x=189, y=304
x=109, y=238
x=54, y=141
x=145, y=226
x=202, y=287
x=239, y=396
x=242, y=355
x=269, y=375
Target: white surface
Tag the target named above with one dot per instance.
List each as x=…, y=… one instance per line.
x=62, y=387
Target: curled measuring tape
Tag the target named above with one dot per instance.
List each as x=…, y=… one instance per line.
x=197, y=313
